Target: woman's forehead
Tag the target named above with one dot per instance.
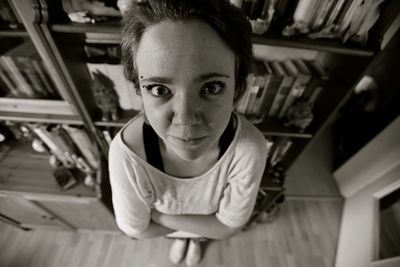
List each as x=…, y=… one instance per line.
x=170, y=45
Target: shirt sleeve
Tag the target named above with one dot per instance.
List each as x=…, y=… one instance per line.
x=241, y=191
x=132, y=213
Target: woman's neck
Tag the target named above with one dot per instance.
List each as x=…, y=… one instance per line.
x=176, y=166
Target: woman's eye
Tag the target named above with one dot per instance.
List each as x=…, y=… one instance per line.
x=157, y=90
x=212, y=88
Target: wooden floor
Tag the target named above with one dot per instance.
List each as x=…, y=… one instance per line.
x=304, y=235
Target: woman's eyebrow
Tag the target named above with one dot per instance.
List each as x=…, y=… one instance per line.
x=202, y=77
x=157, y=79
x=210, y=75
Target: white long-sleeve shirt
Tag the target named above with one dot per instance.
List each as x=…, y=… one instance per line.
x=228, y=189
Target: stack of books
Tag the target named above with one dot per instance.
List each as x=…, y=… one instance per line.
x=23, y=74
x=274, y=86
x=70, y=145
x=339, y=19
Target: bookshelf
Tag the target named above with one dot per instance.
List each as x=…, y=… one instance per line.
x=29, y=194
x=61, y=45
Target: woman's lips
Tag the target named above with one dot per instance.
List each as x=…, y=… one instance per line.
x=189, y=140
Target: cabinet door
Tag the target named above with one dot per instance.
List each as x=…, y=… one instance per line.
x=82, y=213
x=27, y=214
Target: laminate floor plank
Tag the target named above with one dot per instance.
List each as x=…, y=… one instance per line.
x=304, y=235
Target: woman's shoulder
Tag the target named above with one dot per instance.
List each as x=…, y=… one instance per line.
x=130, y=137
x=249, y=132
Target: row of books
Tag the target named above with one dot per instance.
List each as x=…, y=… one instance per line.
x=274, y=86
x=23, y=74
x=340, y=19
x=70, y=145
x=8, y=16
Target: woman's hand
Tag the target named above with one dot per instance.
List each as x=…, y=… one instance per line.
x=205, y=225
x=155, y=216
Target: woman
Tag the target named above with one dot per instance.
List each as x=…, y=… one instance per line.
x=187, y=166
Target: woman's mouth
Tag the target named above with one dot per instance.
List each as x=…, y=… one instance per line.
x=189, y=140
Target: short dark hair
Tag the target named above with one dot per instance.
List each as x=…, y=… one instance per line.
x=226, y=19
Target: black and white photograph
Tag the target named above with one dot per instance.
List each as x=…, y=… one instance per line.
x=209, y=133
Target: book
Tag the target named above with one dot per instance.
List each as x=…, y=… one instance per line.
x=271, y=88
x=25, y=68
x=14, y=73
x=279, y=149
x=243, y=101
x=332, y=17
x=320, y=18
x=237, y=3
x=317, y=83
x=87, y=148
x=259, y=84
x=284, y=12
x=9, y=84
x=32, y=77
x=268, y=10
x=48, y=83
x=56, y=148
x=302, y=76
x=283, y=89
x=305, y=11
x=259, y=106
x=346, y=15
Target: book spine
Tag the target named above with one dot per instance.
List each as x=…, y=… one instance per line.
x=271, y=87
x=281, y=146
x=242, y=103
x=334, y=13
x=258, y=107
x=322, y=14
x=85, y=145
x=11, y=86
x=282, y=92
x=47, y=138
x=31, y=76
x=45, y=78
x=347, y=16
x=237, y=3
x=18, y=78
x=300, y=82
x=254, y=91
x=317, y=84
x=305, y=11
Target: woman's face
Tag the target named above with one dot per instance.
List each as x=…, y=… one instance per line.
x=187, y=82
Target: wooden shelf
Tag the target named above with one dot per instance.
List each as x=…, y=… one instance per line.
x=43, y=118
x=38, y=110
x=100, y=27
x=327, y=45
x=125, y=116
x=13, y=32
x=109, y=32
x=24, y=171
x=273, y=127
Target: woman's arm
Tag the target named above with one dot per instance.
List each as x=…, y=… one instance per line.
x=154, y=230
x=205, y=225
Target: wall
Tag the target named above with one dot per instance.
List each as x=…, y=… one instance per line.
x=373, y=168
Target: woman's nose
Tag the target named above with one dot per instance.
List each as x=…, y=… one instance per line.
x=186, y=111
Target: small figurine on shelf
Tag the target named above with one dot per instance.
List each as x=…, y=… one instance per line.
x=105, y=96
x=299, y=115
